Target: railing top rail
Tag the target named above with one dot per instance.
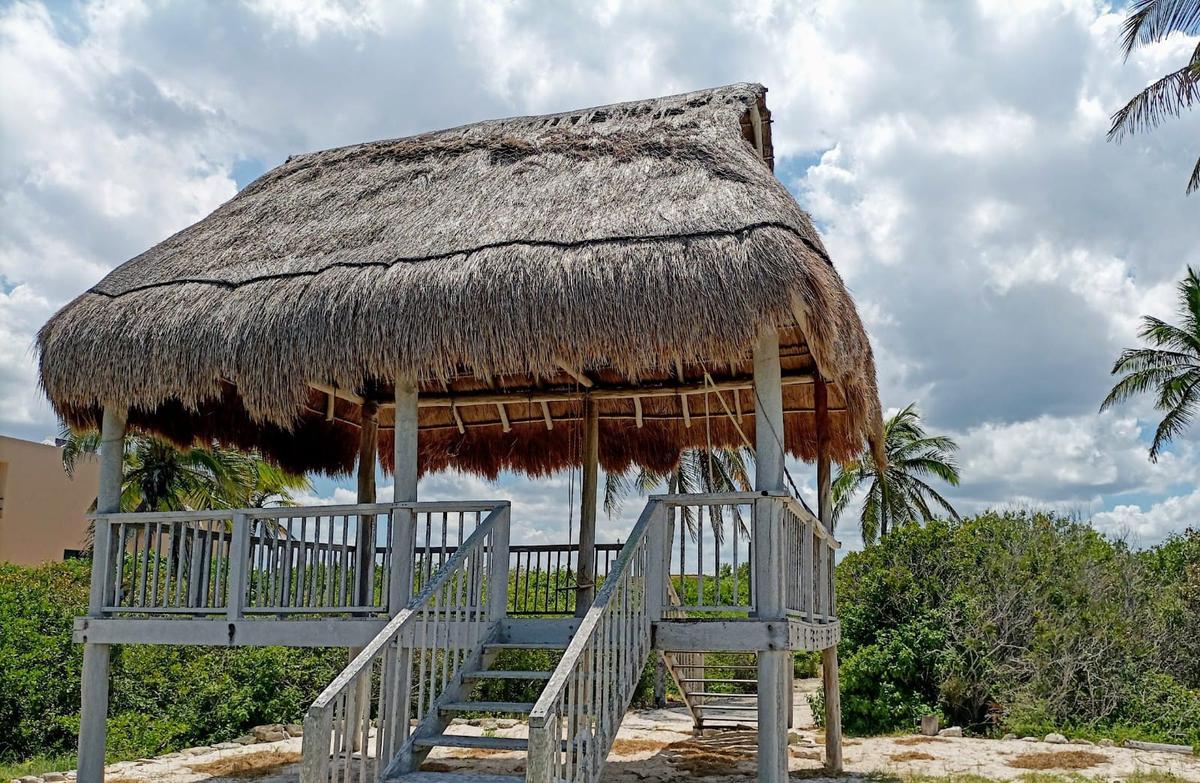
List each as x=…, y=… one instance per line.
x=797, y=508
x=299, y=511
x=558, y=679
x=393, y=626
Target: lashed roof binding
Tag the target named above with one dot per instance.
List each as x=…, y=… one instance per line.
x=643, y=243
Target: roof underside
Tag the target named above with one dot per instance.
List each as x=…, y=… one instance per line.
x=637, y=245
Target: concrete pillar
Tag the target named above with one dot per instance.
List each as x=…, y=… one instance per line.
x=774, y=666
x=93, y=718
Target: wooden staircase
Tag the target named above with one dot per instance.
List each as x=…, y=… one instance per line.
x=720, y=690
x=495, y=674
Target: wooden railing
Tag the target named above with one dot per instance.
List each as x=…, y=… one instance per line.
x=542, y=577
x=808, y=565
x=574, y=722
x=362, y=720
x=275, y=561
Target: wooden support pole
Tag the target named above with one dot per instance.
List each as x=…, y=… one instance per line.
x=93, y=718
x=406, y=441
x=364, y=541
x=774, y=666
x=586, y=568
x=368, y=450
x=829, y=658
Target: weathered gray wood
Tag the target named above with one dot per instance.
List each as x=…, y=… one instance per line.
x=498, y=570
x=468, y=741
x=774, y=666
x=585, y=570
x=94, y=686
x=405, y=446
x=829, y=659
x=720, y=635
x=656, y=563
x=239, y=555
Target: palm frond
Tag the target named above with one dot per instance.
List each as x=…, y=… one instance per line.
x=1178, y=419
x=1154, y=20
x=1164, y=99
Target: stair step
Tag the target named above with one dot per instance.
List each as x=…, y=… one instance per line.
x=462, y=741
x=522, y=707
x=753, y=696
x=721, y=682
x=725, y=708
x=738, y=668
x=453, y=777
x=501, y=674
x=525, y=646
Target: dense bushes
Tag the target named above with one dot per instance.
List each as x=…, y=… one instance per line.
x=161, y=697
x=1025, y=622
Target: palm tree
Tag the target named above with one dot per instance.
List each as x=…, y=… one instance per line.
x=1150, y=21
x=161, y=477
x=898, y=495
x=700, y=471
x=1171, y=367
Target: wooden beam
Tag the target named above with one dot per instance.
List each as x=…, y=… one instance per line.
x=578, y=375
x=679, y=370
x=637, y=411
x=503, y=417
x=683, y=406
x=586, y=567
x=546, y=415
x=561, y=394
x=330, y=406
x=458, y=422
x=334, y=391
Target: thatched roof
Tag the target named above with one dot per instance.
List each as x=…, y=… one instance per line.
x=638, y=243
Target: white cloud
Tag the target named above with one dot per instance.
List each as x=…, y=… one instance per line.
x=953, y=155
x=1154, y=524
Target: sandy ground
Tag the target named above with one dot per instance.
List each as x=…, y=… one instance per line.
x=657, y=745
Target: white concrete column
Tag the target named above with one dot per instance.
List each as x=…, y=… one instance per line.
x=93, y=718
x=774, y=666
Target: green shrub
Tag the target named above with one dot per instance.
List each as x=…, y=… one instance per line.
x=1022, y=621
x=161, y=697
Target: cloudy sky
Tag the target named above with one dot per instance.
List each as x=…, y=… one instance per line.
x=952, y=154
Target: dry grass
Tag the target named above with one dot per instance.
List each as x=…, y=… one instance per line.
x=1058, y=759
x=716, y=755
x=248, y=765
x=911, y=755
x=919, y=739
x=625, y=747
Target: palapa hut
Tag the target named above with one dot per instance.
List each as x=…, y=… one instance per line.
x=513, y=290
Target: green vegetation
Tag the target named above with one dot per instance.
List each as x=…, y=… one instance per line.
x=163, y=698
x=1170, y=369
x=899, y=494
x=159, y=476
x=1023, y=622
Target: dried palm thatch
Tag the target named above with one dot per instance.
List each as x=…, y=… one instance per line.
x=644, y=243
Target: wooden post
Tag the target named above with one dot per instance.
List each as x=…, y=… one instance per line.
x=368, y=449
x=498, y=589
x=364, y=540
x=93, y=718
x=406, y=464
x=829, y=659
x=774, y=666
x=586, y=568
